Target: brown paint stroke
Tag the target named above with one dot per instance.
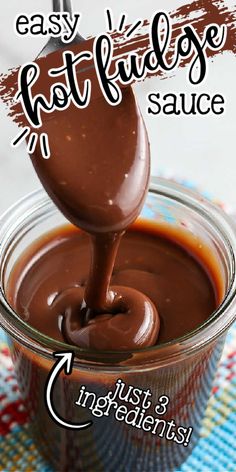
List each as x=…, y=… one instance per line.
x=199, y=14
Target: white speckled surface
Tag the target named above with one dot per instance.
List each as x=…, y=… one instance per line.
x=199, y=148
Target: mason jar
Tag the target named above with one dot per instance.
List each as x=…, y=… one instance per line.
x=182, y=370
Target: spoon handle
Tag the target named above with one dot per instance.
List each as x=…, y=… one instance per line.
x=62, y=6
x=59, y=6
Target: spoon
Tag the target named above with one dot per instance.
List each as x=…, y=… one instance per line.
x=53, y=44
x=99, y=168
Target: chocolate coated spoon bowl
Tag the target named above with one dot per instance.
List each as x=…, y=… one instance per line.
x=182, y=369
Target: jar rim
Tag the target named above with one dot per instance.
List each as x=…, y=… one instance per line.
x=160, y=354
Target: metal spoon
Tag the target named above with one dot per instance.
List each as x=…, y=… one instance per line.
x=53, y=44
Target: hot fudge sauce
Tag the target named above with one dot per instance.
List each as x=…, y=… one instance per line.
x=48, y=279
x=98, y=176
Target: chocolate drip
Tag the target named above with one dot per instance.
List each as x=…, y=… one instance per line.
x=98, y=176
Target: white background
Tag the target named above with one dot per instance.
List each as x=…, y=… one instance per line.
x=201, y=149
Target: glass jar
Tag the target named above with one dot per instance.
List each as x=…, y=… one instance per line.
x=182, y=370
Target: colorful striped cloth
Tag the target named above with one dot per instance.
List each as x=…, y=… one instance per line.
x=216, y=449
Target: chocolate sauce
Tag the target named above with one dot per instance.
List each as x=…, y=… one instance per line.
x=48, y=282
x=98, y=176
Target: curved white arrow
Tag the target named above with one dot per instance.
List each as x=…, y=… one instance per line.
x=65, y=362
